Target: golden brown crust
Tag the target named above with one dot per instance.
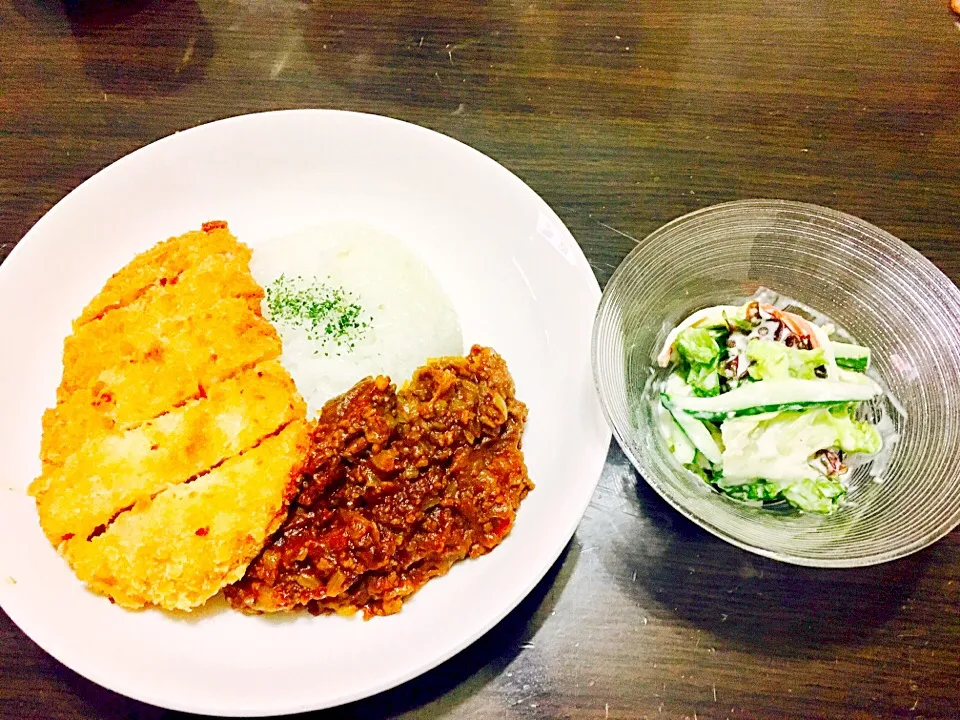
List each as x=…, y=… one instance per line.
x=160, y=264
x=158, y=322
x=173, y=449
x=125, y=396
x=158, y=352
x=119, y=468
x=177, y=550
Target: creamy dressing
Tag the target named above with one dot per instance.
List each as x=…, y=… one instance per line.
x=790, y=430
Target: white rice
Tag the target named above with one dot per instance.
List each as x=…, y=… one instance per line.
x=412, y=318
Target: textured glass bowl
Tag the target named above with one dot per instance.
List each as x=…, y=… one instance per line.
x=873, y=286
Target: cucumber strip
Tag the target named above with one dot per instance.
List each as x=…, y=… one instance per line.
x=677, y=440
x=858, y=378
x=774, y=396
x=850, y=356
x=676, y=386
x=823, y=340
x=698, y=434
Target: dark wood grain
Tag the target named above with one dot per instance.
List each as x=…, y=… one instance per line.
x=622, y=114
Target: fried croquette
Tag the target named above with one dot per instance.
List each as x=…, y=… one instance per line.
x=173, y=411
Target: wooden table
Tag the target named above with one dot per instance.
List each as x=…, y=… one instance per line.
x=622, y=114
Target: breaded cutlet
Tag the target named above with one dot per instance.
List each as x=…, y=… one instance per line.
x=159, y=265
x=133, y=465
x=179, y=549
x=176, y=359
x=155, y=321
x=99, y=392
x=171, y=388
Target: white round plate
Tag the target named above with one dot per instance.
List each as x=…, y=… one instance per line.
x=515, y=274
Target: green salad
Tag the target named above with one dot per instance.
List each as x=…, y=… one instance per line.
x=762, y=404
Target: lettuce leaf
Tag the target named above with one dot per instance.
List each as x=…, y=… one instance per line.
x=813, y=495
x=704, y=380
x=854, y=436
x=698, y=346
x=699, y=349
x=758, y=491
x=775, y=361
x=779, y=446
x=738, y=319
x=775, y=446
x=768, y=457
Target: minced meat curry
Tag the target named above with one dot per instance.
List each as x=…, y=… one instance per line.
x=398, y=487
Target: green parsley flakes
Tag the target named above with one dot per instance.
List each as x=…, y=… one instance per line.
x=330, y=315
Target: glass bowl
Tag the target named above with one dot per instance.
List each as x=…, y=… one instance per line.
x=873, y=287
